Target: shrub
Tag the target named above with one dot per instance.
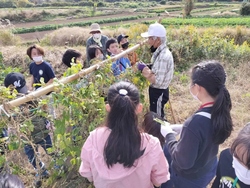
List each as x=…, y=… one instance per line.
x=101, y=4
x=7, y=4
x=24, y=3
x=163, y=2
x=245, y=9
x=188, y=7
x=8, y=38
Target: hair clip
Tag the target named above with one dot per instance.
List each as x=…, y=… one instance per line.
x=123, y=92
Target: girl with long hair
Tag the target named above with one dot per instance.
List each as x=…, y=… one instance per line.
x=118, y=154
x=194, y=158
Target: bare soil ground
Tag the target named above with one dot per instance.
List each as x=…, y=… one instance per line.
x=34, y=35
x=41, y=34
x=65, y=20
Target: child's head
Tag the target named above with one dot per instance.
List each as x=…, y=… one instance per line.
x=94, y=51
x=241, y=155
x=112, y=46
x=17, y=80
x=69, y=54
x=123, y=96
x=35, y=53
x=124, y=141
x=150, y=126
x=241, y=146
x=210, y=75
x=10, y=181
x=123, y=41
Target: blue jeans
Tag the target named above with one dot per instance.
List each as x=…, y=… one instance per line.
x=178, y=181
x=29, y=151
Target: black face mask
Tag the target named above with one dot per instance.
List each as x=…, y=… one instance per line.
x=152, y=49
x=125, y=45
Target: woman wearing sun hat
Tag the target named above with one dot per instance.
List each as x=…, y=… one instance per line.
x=97, y=38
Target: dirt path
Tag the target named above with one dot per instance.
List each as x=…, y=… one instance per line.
x=65, y=21
x=41, y=34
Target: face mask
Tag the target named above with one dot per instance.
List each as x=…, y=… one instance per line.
x=125, y=45
x=241, y=172
x=194, y=96
x=100, y=57
x=38, y=59
x=97, y=36
x=153, y=49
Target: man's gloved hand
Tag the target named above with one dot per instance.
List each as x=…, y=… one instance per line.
x=166, y=129
x=177, y=128
x=141, y=66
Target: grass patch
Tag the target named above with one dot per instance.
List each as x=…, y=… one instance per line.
x=205, y=22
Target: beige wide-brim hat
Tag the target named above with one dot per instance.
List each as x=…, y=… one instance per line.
x=95, y=27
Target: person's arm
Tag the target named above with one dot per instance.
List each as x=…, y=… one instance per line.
x=115, y=68
x=51, y=74
x=86, y=157
x=30, y=86
x=88, y=43
x=149, y=75
x=223, y=163
x=184, y=152
x=50, y=81
x=160, y=173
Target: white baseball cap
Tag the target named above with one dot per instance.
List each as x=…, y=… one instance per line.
x=155, y=30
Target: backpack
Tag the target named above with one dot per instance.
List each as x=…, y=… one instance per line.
x=40, y=131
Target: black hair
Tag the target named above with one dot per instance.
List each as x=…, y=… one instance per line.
x=68, y=55
x=10, y=181
x=92, y=51
x=124, y=142
x=109, y=42
x=242, y=141
x=211, y=76
x=150, y=126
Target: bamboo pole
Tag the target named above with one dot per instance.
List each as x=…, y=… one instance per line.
x=51, y=87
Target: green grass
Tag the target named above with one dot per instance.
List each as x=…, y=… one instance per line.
x=206, y=22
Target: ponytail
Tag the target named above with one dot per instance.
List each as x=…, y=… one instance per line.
x=221, y=118
x=124, y=142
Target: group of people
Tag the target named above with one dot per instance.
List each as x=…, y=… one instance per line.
x=124, y=153
x=43, y=74
x=99, y=47
x=120, y=154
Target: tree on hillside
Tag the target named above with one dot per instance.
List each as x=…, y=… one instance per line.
x=23, y=3
x=188, y=7
x=245, y=9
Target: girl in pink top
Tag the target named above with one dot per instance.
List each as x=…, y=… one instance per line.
x=117, y=154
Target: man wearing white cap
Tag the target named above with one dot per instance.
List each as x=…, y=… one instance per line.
x=96, y=39
x=161, y=72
